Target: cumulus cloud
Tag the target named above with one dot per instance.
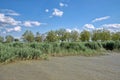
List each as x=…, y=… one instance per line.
x=62, y=4
x=57, y=12
x=68, y=30
x=74, y=29
x=8, y=23
x=31, y=23
x=112, y=27
x=101, y=18
x=89, y=26
x=101, y=28
x=6, y=20
x=46, y=10
x=17, y=29
x=9, y=12
x=4, y=32
x=9, y=29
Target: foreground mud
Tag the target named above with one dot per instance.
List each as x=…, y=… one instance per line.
x=64, y=68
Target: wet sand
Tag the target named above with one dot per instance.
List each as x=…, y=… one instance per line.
x=64, y=68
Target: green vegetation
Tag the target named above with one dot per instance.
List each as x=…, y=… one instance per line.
x=57, y=43
x=9, y=38
x=1, y=39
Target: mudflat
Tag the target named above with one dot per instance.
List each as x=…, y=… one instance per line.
x=64, y=68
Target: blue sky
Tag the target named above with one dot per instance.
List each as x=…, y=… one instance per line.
x=17, y=16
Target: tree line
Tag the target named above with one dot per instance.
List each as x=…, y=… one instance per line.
x=62, y=35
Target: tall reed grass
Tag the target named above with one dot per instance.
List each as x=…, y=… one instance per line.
x=24, y=51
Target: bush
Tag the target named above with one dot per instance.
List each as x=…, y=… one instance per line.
x=22, y=51
x=77, y=46
x=109, y=45
x=93, y=45
x=64, y=45
x=56, y=48
x=27, y=53
x=46, y=48
x=8, y=54
x=18, y=44
x=117, y=45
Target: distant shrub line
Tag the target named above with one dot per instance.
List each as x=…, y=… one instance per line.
x=10, y=52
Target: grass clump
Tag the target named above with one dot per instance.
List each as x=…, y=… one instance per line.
x=26, y=51
x=93, y=45
x=10, y=53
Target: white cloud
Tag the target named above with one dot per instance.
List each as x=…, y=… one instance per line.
x=89, y=26
x=9, y=29
x=112, y=27
x=7, y=21
x=47, y=10
x=100, y=19
x=74, y=29
x=31, y=23
x=57, y=12
x=17, y=29
x=9, y=12
x=101, y=28
x=9, y=24
x=4, y=32
x=63, y=5
x=68, y=30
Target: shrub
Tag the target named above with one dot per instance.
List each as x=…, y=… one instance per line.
x=64, y=45
x=27, y=53
x=46, y=48
x=9, y=54
x=109, y=45
x=93, y=45
x=22, y=51
x=117, y=45
x=77, y=46
x=18, y=44
x=6, y=54
x=56, y=48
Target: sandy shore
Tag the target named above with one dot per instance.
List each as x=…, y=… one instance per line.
x=64, y=68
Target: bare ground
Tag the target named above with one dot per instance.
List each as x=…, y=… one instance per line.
x=64, y=68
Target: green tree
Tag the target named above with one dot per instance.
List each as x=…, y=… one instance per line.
x=85, y=35
x=9, y=38
x=1, y=39
x=51, y=36
x=96, y=35
x=105, y=35
x=38, y=37
x=115, y=36
x=28, y=36
x=66, y=36
x=74, y=36
x=61, y=34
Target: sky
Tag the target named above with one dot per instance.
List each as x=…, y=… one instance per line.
x=17, y=16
